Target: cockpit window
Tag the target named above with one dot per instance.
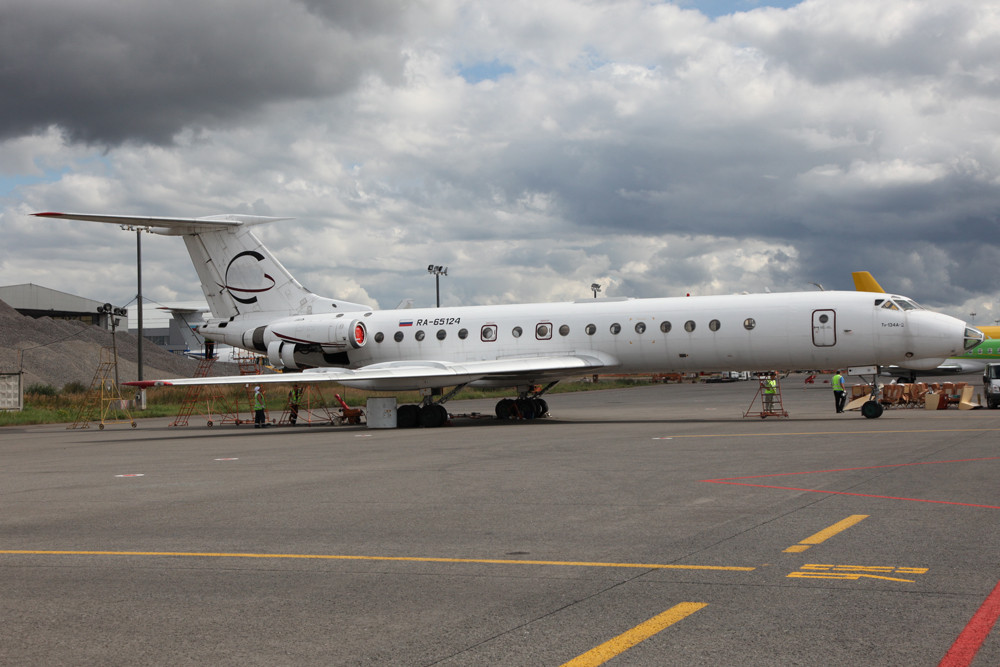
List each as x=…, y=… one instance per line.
x=889, y=305
x=906, y=304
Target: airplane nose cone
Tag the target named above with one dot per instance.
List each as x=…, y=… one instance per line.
x=934, y=337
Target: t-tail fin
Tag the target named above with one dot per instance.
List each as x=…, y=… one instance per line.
x=238, y=274
x=865, y=282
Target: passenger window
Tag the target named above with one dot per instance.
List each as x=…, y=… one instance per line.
x=543, y=331
x=749, y=323
x=516, y=332
x=463, y=333
x=640, y=327
x=714, y=325
x=616, y=328
x=419, y=335
x=564, y=330
x=398, y=337
x=591, y=329
x=489, y=333
x=689, y=326
x=665, y=327
x=441, y=334
x=379, y=337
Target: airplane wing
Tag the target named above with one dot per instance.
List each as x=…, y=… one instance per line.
x=404, y=375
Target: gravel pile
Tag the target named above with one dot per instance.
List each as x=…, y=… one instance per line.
x=55, y=352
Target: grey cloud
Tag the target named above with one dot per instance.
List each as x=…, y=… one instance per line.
x=109, y=72
x=904, y=44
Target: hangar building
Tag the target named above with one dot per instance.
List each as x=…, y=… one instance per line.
x=37, y=301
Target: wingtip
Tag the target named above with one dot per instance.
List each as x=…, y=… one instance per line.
x=47, y=214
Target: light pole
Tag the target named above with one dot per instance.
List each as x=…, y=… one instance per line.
x=437, y=271
x=596, y=288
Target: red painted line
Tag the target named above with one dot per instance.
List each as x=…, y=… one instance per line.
x=975, y=633
x=862, y=495
x=732, y=481
x=890, y=465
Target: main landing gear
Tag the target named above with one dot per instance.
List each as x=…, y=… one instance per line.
x=528, y=405
x=429, y=414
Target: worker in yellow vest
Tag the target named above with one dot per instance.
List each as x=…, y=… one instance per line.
x=839, y=391
x=294, y=399
x=770, y=391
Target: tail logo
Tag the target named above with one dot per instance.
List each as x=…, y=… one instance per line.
x=246, y=272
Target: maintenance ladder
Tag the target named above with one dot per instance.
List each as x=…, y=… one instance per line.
x=768, y=408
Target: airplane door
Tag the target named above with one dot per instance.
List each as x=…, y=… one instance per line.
x=824, y=324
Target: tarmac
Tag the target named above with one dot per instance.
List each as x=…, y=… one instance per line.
x=648, y=526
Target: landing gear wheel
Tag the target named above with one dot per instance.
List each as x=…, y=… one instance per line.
x=432, y=416
x=505, y=408
x=134, y=424
x=408, y=416
x=871, y=410
x=210, y=423
x=526, y=408
x=100, y=427
x=541, y=407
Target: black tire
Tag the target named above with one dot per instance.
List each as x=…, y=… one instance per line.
x=505, y=408
x=526, y=406
x=871, y=410
x=433, y=416
x=408, y=416
x=541, y=407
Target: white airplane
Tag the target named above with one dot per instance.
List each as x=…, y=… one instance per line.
x=257, y=305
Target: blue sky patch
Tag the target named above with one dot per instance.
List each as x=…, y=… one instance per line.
x=482, y=71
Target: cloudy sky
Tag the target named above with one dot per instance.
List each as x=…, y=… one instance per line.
x=657, y=148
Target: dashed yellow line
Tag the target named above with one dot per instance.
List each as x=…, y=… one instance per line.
x=411, y=559
x=826, y=533
x=614, y=647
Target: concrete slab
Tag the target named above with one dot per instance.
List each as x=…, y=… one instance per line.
x=508, y=543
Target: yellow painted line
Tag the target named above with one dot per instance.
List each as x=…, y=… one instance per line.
x=623, y=642
x=796, y=549
x=826, y=533
x=411, y=559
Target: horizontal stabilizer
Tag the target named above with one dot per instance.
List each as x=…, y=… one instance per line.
x=168, y=226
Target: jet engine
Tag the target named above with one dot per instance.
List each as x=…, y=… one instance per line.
x=307, y=344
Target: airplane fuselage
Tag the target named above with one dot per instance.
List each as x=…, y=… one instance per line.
x=816, y=330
